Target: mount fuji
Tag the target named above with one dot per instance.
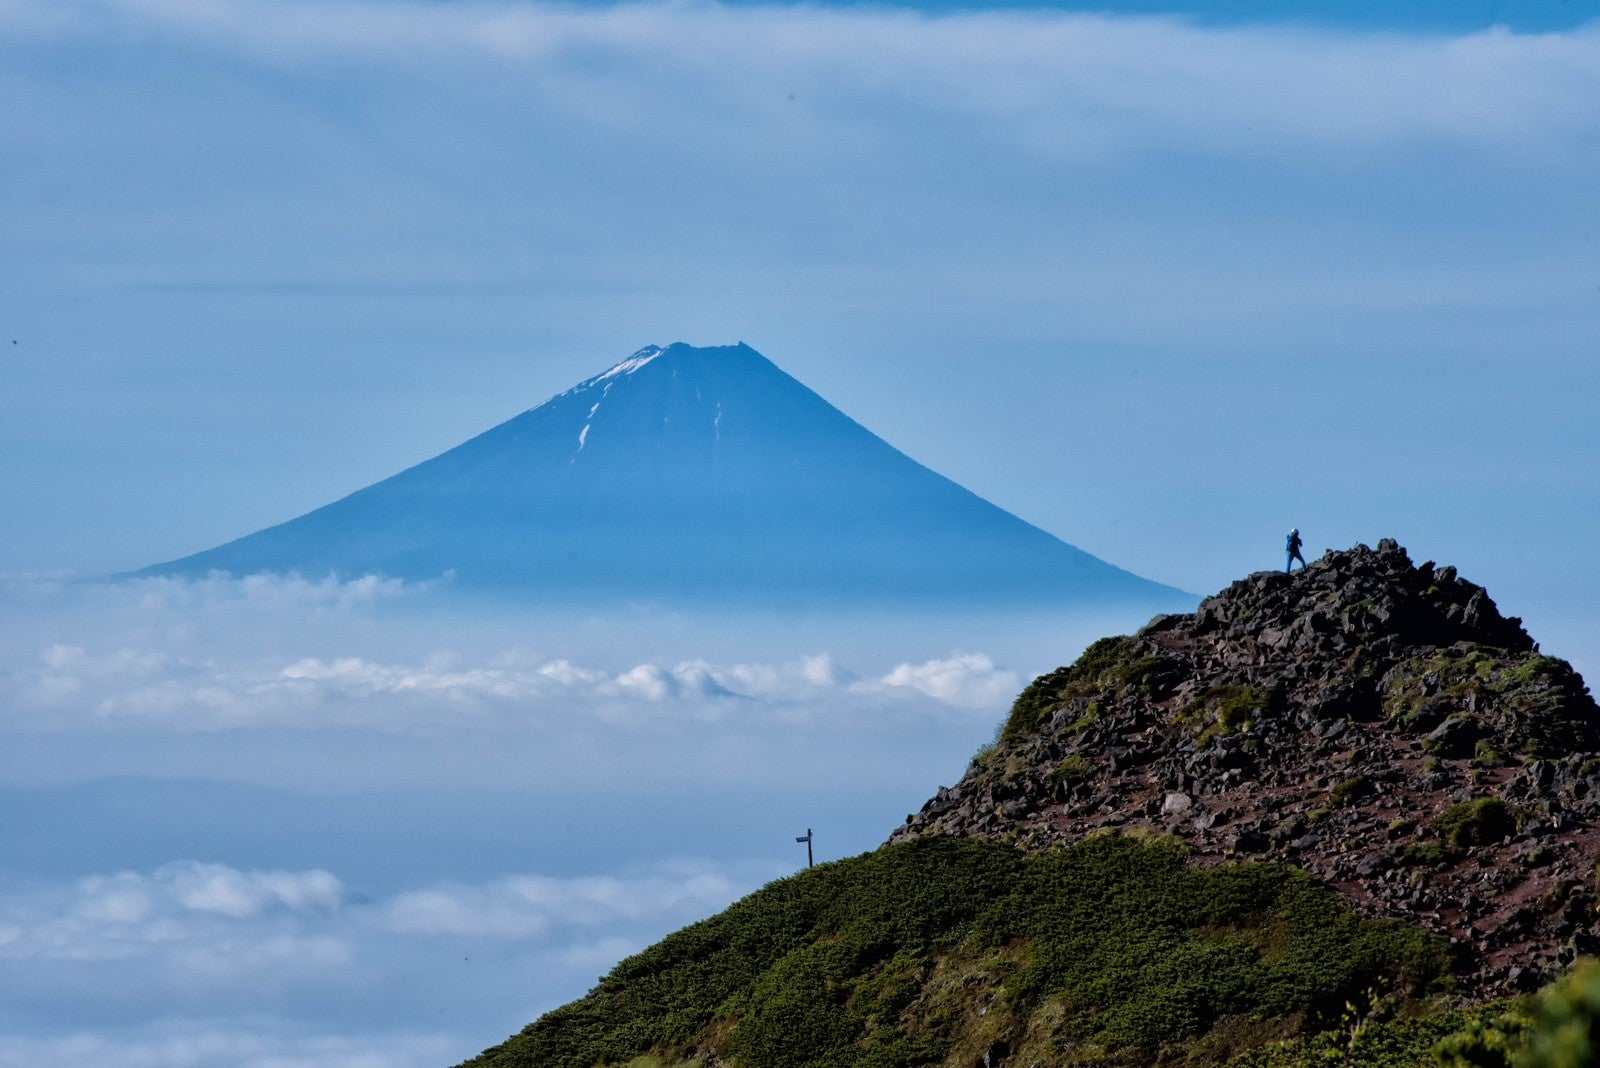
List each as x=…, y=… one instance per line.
x=684, y=474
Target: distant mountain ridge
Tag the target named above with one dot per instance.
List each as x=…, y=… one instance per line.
x=685, y=473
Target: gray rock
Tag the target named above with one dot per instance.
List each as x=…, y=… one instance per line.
x=1455, y=737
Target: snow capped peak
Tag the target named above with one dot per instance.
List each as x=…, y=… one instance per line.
x=631, y=364
x=609, y=377
x=712, y=476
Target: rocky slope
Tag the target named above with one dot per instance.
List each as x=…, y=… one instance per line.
x=1376, y=723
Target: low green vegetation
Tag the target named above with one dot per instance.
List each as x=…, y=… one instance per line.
x=1535, y=697
x=1351, y=789
x=1485, y=755
x=1075, y=769
x=1090, y=717
x=1425, y=854
x=1448, y=676
x=1221, y=711
x=1557, y=1028
x=1105, y=664
x=1114, y=950
x=1565, y=1026
x=1481, y=821
x=1376, y=1034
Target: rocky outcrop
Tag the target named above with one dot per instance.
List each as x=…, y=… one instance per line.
x=1376, y=723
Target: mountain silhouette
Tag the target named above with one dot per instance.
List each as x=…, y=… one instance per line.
x=685, y=474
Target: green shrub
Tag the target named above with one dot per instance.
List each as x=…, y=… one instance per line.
x=1222, y=710
x=1485, y=1042
x=1424, y=854
x=1564, y=1031
x=1485, y=755
x=1101, y=657
x=1075, y=769
x=872, y=962
x=1089, y=718
x=1349, y=790
x=1377, y=1039
x=1558, y=1028
x=1140, y=674
x=1105, y=664
x=1481, y=821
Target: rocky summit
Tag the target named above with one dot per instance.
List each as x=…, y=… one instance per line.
x=1376, y=723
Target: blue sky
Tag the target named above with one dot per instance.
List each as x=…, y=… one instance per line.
x=1164, y=282
x=1162, y=285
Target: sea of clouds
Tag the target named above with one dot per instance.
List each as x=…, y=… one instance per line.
x=193, y=963
x=150, y=652
x=281, y=821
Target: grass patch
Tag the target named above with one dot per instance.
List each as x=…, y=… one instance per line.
x=1424, y=854
x=1546, y=708
x=1351, y=789
x=1481, y=821
x=1373, y=1036
x=1108, y=666
x=1221, y=711
x=1485, y=755
x=1071, y=771
x=1044, y=695
x=1090, y=717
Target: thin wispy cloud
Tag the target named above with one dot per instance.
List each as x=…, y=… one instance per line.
x=195, y=907
x=185, y=1045
x=195, y=950
x=1082, y=83
x=351, y=686
x=69, y=687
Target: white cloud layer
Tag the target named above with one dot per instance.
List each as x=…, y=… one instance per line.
x=178, y=1046
x=175, y=909
x=154, y=673
x=218, y=946
x=524, y=906
x=193, y=908
x=70, y=687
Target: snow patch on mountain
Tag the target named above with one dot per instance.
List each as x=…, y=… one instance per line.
x=632, y=363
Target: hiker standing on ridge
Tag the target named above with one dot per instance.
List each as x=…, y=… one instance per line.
x=1294, y=551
